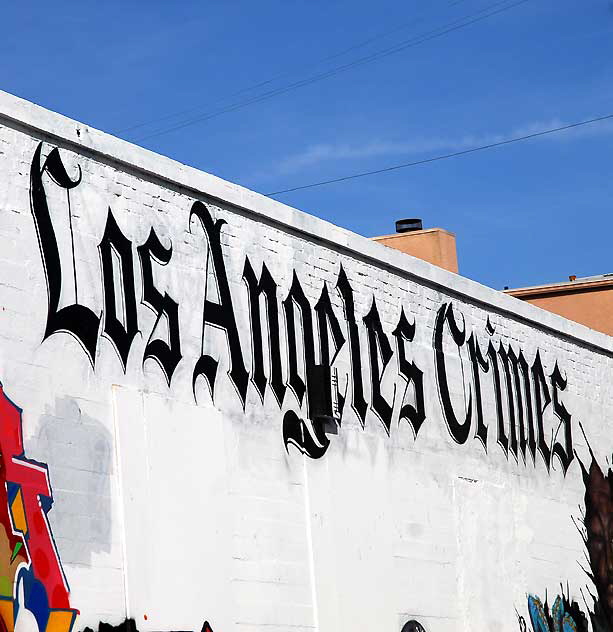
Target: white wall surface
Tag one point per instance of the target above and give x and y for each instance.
(173, 507)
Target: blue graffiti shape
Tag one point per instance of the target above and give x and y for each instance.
(565, 616)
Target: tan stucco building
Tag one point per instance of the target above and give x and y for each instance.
(587, 300)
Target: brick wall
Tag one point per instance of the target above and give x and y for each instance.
(183, 492)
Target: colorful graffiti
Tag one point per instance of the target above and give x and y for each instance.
(564, 616)
(32, 584)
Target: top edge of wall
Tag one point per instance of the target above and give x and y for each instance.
(17, 112)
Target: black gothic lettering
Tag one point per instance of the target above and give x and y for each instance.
(378, 347)
(166, 355)
(564, 452)
(458, 430)
(296, 298)
(327, 320)
(503, 440)
(358, 403)
(310, 440)
(542, 399)
(506, 368)
(220, 315)
(120, 331)
(267, 287)
(522, 373)
(79, 321)
(519, 368)
(478, 363)
(310, 373)
(414, 414)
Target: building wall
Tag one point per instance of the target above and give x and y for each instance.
(591, 305)
(434, 245)
(177, 437)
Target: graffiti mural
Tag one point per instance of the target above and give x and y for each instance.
(32, 582)
(563, 616)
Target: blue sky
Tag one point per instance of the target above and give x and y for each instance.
(526, 214)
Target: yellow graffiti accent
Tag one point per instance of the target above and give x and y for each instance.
(60, 621)
(18, 513)
(7, 613)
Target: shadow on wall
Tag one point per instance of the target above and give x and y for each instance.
(78, 450)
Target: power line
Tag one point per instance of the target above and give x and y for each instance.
(415, 41)
(285, 73)
(445, 156)
(441, 31)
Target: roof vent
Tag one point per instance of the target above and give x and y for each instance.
(408, 225)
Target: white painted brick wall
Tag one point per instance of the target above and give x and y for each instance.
(173, 511)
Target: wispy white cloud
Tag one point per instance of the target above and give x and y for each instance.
(328, 152)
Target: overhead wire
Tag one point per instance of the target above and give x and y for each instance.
(456, 154)
(436, 33)
(445, 29)
(284, 73)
